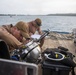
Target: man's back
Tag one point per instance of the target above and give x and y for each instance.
(6, 35)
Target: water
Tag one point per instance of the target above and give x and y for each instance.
(54, 23)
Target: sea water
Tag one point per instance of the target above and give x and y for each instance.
(54, 23)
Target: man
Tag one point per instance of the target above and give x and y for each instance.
(30, 28)
(12, 36)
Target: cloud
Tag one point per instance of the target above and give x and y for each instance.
(37, 6)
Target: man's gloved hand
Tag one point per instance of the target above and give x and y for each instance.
(23, 46)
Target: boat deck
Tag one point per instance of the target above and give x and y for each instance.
(57, 39)
(53, 40)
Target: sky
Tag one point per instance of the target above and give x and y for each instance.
(37, 7)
